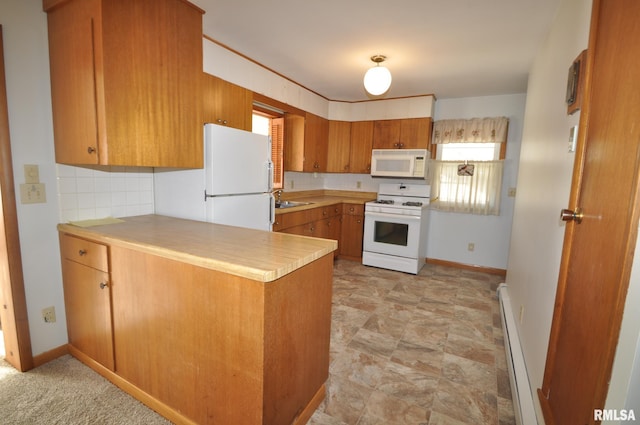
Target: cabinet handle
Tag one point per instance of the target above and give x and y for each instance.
(91, 149)
(103, 285)
(82, 252)
(221, 121)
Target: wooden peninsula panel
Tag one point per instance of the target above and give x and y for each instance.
(222, 349)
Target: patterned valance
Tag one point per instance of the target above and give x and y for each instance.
(474, 130)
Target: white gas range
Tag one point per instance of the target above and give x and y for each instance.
(395, 227)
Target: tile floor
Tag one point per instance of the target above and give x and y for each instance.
(423, 350)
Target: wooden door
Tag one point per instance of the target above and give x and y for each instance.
(13, 314)
(598, 252)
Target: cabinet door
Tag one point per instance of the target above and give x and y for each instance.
(294, 140)
(226, 103)
(88, 308)
(73, 83)
(415, 133)
(316, 134)
(351, 236)
(361, 145)
(339, 147)
(386, 134)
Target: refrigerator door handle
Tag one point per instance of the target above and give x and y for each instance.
(272, 209)
(270, 175)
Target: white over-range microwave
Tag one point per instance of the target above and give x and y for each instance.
(402, 163)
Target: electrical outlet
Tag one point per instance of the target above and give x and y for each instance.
(33, 193)
(49, 314)
(359, 185)
(291, 185)
(471, 246)
(511, 193)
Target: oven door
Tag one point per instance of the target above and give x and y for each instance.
(392, 234)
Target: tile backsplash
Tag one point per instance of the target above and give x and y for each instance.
(87, 193)
(96, 192)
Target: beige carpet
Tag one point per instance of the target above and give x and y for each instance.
(65, 391)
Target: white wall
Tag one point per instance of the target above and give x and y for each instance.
(544, 180)
(451, 233)
(26, 58)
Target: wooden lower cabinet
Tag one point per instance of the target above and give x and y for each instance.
(200, 346)
(87, 298)
(352, 232)
(341, 222)
(218, 348)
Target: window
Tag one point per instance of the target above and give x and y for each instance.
(270, 125)
(467, 172)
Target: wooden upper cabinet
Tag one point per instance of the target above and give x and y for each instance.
(410, 133)
(339, 147)
(386, 134)
(226, 103)
(293, 155)
(415, 133)
(361, 145)
(316, 135)
(126, 82)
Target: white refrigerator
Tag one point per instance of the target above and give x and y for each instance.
(233, 188)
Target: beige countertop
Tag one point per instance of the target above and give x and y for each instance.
(254, 254)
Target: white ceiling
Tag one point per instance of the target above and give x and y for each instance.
(449, 48)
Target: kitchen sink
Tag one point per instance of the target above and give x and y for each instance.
(290, 204)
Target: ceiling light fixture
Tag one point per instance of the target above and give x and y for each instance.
(377, 79)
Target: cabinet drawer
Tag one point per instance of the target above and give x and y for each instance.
(332, 211)
(353, 209)
(85, 252)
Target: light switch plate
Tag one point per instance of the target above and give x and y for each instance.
(31, 173)
(33, 193)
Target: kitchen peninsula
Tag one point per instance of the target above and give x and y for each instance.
(204, 323)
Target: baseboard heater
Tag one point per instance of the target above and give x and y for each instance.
(520, 390)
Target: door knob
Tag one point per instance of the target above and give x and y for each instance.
(570, 215)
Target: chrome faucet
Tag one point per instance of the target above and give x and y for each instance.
(278, 194)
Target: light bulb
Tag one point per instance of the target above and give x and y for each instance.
(377, 80)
